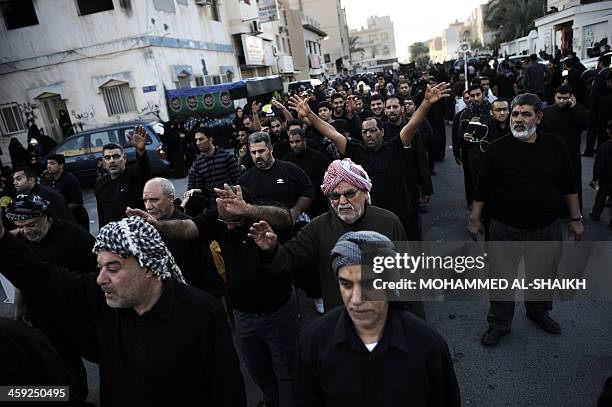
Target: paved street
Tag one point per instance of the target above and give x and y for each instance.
(530, 367)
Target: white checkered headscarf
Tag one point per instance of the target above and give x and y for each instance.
(134, 237)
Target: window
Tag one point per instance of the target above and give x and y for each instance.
(214, 10)
(199, 81)
(215, 79)
(118, 99)
(18, 14)
(73, 146)
(86, 7)
(100, 139)
(11, 119)
(126, 133)
(184, 82)
(384, 36)
(327, 58)
(373, 38)
(285, 49)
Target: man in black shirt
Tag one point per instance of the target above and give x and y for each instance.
(394, 181)
(265, 311)
(159, 341)
(62, 244)
(372, 353)
(314, 164)
(122, 186)
(523, 177)
(194, 258)
(568, 120)
(272, 180)
(25, 181)
(377, 106)
(498, 126)
(68, 185)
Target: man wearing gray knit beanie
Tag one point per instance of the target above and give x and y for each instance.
(370, 352)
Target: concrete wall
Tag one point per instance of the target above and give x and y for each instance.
(71, 56)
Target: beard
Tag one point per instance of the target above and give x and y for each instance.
(523, 131)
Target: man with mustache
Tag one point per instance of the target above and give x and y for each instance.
(272, 180)
(347, 187)
(372, 337)
(158, 341)
(523, 177)
(122, 185)
(395, 180)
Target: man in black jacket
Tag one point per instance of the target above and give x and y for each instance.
(62, 244)
(568, 120)
(399, 359)
(159, 342)
(25, 181)
(194, 258)
(122, 186)
(68, 185)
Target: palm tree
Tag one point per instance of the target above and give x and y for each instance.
(513, 18)
(354, 45)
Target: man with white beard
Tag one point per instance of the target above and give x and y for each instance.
(523, 178)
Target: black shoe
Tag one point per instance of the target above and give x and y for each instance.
(492, 336)
(588, 154)
(546, 323)
(594, 216)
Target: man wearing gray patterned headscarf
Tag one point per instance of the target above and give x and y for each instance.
(371, 340)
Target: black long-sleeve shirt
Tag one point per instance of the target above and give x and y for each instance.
(524, 182)
(178, 353)
(602, 168)
(568, 123)
(396, 172)
(59, 206)
(410, 365)
(113, 196)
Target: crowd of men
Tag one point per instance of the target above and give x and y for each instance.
(307, 188)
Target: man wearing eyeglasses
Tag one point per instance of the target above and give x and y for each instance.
(394, 178)
(347, 186)
(523, 178)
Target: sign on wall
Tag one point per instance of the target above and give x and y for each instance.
(268, 11)
(253, 50)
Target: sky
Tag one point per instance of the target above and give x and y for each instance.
(412, 20)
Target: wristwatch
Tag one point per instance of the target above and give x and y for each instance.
(579, 219)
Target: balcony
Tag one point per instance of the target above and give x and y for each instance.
(313, 25)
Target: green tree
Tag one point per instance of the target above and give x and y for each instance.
(354, 45)
(417, 49)
(513, 18)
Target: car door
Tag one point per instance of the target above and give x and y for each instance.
(76, 149)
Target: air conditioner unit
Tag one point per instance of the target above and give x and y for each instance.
(256, 27)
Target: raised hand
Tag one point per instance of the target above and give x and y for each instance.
(300, 106)
(440, 91)
(349, 106)
(142, 214)
(263, 235)
(255, 107)
(139, 138)
(230, 202)
(277, 104)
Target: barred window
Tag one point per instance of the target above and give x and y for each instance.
(118, 99)
(11, 120)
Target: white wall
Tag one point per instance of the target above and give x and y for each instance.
(70, 51)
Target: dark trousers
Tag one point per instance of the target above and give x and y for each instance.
(468, 178)
(269, 345)
(605, 190)
(504, 262)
